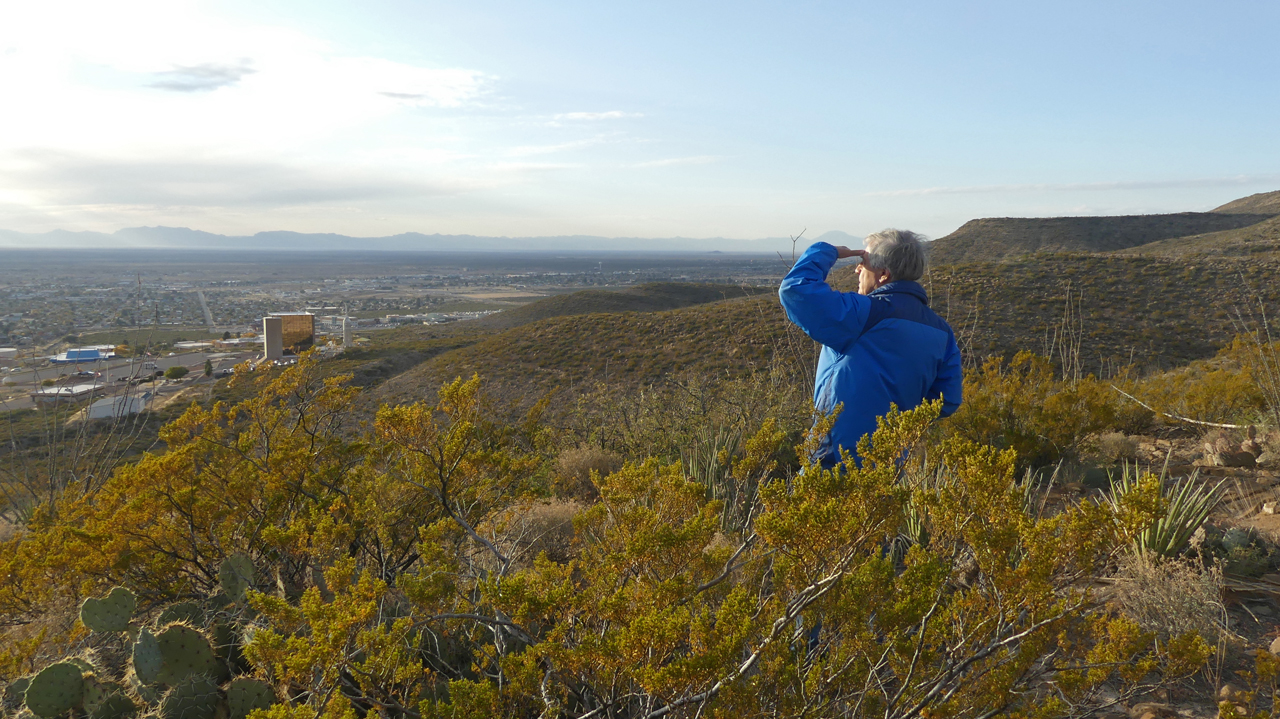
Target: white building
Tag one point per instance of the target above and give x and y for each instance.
(273, 337)
(72, 393)
(121, 406)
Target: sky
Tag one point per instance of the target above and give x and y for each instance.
(625, 119)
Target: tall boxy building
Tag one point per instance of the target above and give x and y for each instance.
(298, 332)
(272, 344)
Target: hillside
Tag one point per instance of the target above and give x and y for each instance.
(630, 348)
(1005, 237)
(1261, 203)
(1256, 239)
(394, 351)
(652, 297)
(1154, 312)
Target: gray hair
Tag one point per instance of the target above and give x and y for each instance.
(901, 252)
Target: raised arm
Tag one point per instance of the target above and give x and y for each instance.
(833, 318)
(949, 384)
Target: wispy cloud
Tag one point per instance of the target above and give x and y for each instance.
(64, 179)
(526, 150)
(204, 77)
(610, 115)
(694, 160)
(512, 171)
(1191, 183)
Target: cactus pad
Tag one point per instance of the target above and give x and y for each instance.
(245, 695)
(195, 698)
(55, 690)
(189, 612)
(186, 653)
(111, 613)
(149, 693)
(227, 646)
(236, 576)
(147, 658)
(96, 691)
(14, 692)
(115, 706)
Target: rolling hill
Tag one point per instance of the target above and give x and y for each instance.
(1005, 237)
(1153, 291)
(1152, 312)
(1234, 228)
(651, 297)
(1261, 203)
(396, 351)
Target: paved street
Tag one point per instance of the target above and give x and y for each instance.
(26, 381)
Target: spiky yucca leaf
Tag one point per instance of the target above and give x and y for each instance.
(1184, 508)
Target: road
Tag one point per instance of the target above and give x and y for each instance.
(204, 306)
(26, 381)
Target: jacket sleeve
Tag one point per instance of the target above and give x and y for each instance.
(949, 383)
(832, 318)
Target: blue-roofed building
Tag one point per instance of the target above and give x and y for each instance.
(83, 355)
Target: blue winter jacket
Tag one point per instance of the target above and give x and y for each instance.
(884, 348)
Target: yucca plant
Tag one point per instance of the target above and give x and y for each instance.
(709, 461)
(1184, 508)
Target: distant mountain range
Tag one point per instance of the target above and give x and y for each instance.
(185, 238)
(1250, 225)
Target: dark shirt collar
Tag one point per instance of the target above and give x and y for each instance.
(902, 287)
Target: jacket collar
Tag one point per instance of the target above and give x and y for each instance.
(902, 287)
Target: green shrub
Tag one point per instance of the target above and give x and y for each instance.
(1022, 405)
(413, 565)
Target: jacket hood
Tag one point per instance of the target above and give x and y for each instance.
(902, 287)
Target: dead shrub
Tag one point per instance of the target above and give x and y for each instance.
(525, 531)
(1172, 596)
(574, 468)
(1116, 447)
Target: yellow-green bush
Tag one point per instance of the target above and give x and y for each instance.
(1222, 389)
(396, 587)
(1024, 406)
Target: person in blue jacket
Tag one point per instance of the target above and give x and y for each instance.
(881, 345)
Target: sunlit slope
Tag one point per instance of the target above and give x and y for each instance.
(1154, 312)
(1258, 239)
(1261, 203)
(651, 297)
(728, 336)
(1006, 237)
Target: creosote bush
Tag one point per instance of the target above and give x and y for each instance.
(410, 569)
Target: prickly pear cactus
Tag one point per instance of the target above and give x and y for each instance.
(13, 693)
(189, 612)
(195, 698)
(227, 646)
(96, 691)
(55, 690)
(149, 693)
(244, 695)
(115, 706)
(147, 658)
(1236, 538)
(111, 613)
(236, 576)
(186, 652)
